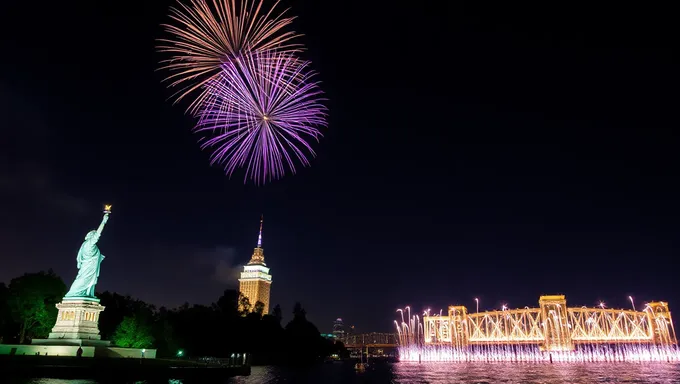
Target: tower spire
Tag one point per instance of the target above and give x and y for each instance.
(255, 282)
(258, 252)
(259, 237)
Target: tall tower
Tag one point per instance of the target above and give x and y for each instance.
(339, 329)
(255, 281)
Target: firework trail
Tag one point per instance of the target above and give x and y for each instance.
(207, 34)
(259, 113)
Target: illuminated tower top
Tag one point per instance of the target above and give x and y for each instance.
(258, 253)
(259, 237)
(255, 281)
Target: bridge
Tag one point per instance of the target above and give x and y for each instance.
(553, 326)
(371, 340)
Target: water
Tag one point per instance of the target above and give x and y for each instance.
(584, 353)
(439, 373)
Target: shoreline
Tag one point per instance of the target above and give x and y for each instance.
(59, 367)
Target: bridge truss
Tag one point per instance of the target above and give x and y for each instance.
(371, 340)
(553, 326)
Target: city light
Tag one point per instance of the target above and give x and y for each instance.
(551, 333)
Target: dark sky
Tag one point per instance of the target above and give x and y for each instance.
(473, 151)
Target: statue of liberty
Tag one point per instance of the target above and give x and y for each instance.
(88, 261)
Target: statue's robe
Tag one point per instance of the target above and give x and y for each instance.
(88, 259)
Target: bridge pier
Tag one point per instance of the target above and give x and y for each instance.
(459, 325)
(556, 327)
(661, 323)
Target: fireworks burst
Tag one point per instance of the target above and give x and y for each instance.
(258, 114)
(209, 34)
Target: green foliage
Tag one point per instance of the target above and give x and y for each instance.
(230, 325)
(117, 308)
(133, 332)
(32, 299)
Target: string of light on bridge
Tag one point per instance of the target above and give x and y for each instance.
(551, 332)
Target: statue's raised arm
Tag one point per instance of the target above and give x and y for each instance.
(101, 226)
(88, 261)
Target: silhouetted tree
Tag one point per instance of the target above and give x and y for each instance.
(278, 314)
(270, 343)
(228, 303)
(164, 333)
(299, 312)
(259, 308)
(230, 325)
(5, 321)
(304, 339)
(32, 299)
(198, 330)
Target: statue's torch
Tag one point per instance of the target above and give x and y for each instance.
(107, 212)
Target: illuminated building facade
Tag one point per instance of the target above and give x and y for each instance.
(339, 328)
(255, 282)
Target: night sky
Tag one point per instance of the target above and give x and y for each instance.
(492, 152)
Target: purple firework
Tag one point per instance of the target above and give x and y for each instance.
(259, 113)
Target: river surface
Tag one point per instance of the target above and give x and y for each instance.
(438, 373)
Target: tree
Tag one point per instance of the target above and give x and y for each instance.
(164, 334)
(299, 312)
(259, 308)
(243, 304)
(304, 339)
(4, 310)
(228, 303)
(32, 300)
(278, 314)
(133, 332)
(119, 307)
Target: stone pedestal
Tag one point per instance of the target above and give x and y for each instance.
(77, 332)
(77, 324)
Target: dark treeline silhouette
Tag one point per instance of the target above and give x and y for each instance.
(230, 325)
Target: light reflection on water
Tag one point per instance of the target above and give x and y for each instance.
(536, 373)
(440, 373)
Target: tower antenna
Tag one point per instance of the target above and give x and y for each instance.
(259, 237)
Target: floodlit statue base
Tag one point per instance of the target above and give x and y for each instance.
(77, 324)
(76, 332)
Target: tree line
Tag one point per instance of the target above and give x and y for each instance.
(229, 325)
